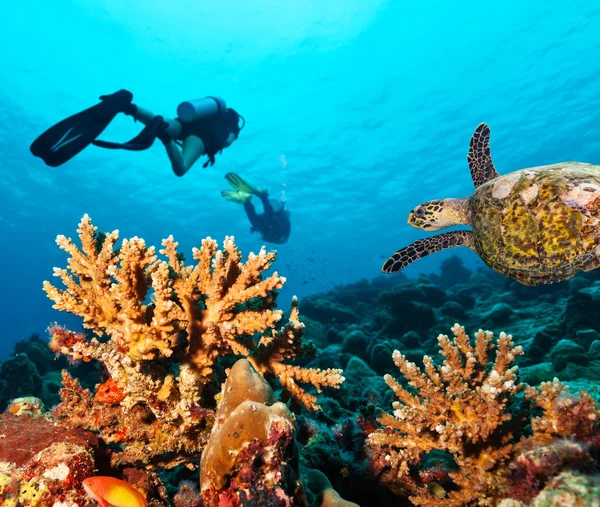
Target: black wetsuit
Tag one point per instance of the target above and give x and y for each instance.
(273, 224)
(202, 128)
(213, 131)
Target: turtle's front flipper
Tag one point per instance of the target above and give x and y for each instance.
(423, 247)
(480, 159)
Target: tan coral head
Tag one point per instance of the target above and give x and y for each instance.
(439, 214)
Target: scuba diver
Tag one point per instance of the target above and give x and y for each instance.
(273, 224)
(203, 127)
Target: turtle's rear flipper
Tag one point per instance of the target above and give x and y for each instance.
(424, 247)
(480, 159)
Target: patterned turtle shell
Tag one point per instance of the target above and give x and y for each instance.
(539, 225)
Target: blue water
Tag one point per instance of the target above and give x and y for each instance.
(356, 111)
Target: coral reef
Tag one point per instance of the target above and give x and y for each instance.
(252, 454)
(29, 380)
(187, 495)
(34, 370)
(538, 321)
(566, 436)
(41, 463)
(145, 439)
(391, 313)
(459, 408)
(564, 415)
(44, 464)
(538, 444)
(251, 457)
(568, 489)
(467, 409)
(29, 405)
(536, 465)
(166, 325)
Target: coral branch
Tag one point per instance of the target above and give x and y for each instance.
(167, 324)
(461, 409)
(446, 413)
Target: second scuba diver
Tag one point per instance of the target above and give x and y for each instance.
(273, 224)
(202, 127)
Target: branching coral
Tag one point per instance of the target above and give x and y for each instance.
(459, 408)
(462, 409)
(167, 323)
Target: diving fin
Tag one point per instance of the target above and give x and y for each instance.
(61, 142)
(243, 186)
(155, 129)
(236, 196)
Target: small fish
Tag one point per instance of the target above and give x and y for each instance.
(436, 490)
(111, 492)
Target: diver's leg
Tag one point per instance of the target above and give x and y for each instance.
(254, 218)
(264, 198)
(144, 116)
(178, 160)
(251, 212)
(183, 160)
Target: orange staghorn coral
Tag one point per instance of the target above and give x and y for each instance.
(460, 408)
(167, 324)
(107, 288)
(281, 345)
(216, 328)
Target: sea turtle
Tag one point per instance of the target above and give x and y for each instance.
(537, 225)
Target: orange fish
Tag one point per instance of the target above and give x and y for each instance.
(111, 492)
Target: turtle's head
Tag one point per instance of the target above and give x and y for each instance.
(436, 215)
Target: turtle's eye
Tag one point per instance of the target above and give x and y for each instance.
(419, 212)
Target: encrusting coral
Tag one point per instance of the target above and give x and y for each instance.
(41, 463)
(167, 323)
(566, 489)
(251, 457)
(462, 409)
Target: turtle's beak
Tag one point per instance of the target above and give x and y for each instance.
(411, 219)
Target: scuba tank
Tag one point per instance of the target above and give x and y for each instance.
(192, 110)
